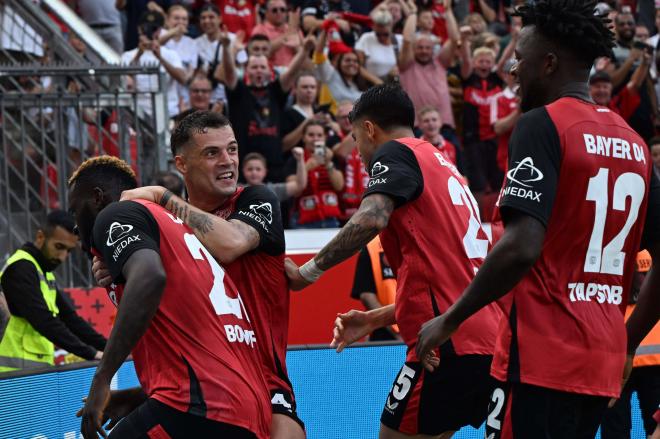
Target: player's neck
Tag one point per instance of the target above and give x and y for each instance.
(574, 88)
(395, 133)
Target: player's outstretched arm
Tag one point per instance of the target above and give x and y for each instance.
(372, 217)
(354, 325)
(145, 283)
(226, 240)
(507, 263)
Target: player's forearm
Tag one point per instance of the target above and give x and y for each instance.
(372, 217)
(382, 317)
(145, 283)
(225, 240)
(647, 310)
(507, 263)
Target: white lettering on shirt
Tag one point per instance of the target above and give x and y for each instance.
(592, 292)
(613, 147)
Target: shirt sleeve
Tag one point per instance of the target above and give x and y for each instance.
(534, 160)
(120, 230)
(364, 276)
(394, 171)
(651, 233)
(259, 208)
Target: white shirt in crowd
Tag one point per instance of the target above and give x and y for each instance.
(206, 52)
(149, 83)
(380, 59)
(186, 48)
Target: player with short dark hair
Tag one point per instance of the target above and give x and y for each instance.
(578, 203)
(419, 203)
(242, 228)
(192, 342)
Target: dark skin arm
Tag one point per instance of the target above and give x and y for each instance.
(4, 315)
(507, 263)
(145, 283)
(372, 217)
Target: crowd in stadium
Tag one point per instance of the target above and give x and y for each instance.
(286, 75)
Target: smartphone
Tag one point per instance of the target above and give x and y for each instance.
(319, 149)
(325, 108)
(643, 46)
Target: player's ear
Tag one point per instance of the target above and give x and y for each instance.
(180, 164)
(550, 64)
(370, 129)
(99, 196)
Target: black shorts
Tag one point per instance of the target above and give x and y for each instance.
(453, 396)
(522, 411)
(283, 403)
(155, 420)
(481, 166)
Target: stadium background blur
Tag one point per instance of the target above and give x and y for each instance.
(77, 81)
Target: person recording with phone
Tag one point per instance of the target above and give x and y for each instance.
(630, 55)
(318, 206)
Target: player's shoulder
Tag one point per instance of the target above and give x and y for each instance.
(259, 191)
(123, 209)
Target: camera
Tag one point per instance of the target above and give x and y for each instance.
(319, 149)
(643, 46)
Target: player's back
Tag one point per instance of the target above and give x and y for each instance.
(199, 354)
(566, 321)
(435, 244)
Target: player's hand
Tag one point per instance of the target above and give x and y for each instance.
(349, 328)
(149, 193)
(101, 272)
(92, 413)
(433, 333)
(122, 402)
(296, 281)
(627, 369)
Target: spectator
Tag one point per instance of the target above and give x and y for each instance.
(645, 376)
(135, 10)
(237, 15)
(627, 59)
(476, 23)
(424, 75)
(255, 169)
(4, 315)
(318, 206)
(654, 145)
(505, 112)
(316, 12)
(150, 52)
(200, 95)
(41, 315)
(171, 181)
(174, 38)
(104, 18)
(258, 44)
(642, 33)
(285, 38)
(374, 285)
(654, 42)
(305, 91)
(256, 104)
(355, 175)
(430, 122)
(627, 100)
(483, 80)
(346, 80)
(210, 50)
(378, 50)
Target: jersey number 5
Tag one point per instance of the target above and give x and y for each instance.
(222, 304)
(610, 259)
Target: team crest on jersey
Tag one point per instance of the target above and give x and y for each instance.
(117, 232)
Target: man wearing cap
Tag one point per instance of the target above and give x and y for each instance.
(149, 52)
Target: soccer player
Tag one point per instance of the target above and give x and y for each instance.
(420, 204)
(242, 228)
(178, 313)
(578, 200)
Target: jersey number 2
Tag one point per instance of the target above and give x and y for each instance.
(222, 304)
(461, 196)
(609, 259)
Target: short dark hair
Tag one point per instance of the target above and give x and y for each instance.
(258, 37)
(209, 7)
(255, 156)
(572, 25)
(387, 105)
(195, 123)
(654, 141)
(59, 218)
(111, 174)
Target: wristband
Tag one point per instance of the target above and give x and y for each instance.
(165, 198)
(310, 271)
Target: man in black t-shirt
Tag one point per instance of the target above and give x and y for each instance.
(256, 103)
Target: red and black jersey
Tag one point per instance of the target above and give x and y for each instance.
(260, 277)
(199, 354)
(478, 94)
(586, 175)
(434, 242)
(504, 104)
